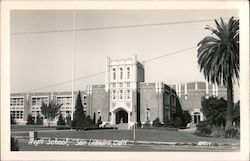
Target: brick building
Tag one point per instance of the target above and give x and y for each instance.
(190, 95)
(124, 98)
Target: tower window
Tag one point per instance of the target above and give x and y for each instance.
(113, 94)
(128, 94)
(128, 73)
(121, 73)
(120, 94)
(114, 74)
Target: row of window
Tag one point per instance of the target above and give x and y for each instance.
(114, 85)
(121, 94)
(121, 73)
(16, 108)
(16, 114)
(17, 101)
(37, 101)
(64, 100)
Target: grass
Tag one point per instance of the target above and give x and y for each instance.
(141, 135)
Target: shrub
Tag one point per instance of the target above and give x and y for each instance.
(147, 124)
(186, 118)
(12, 120)
(14, 144)
(99, 122)
(62, 127)
(157, 122)
(139, 124)
(68, 120)
(177, 122)
(30, 120)
(231, 132)
(203, 129)
(39, 120)
(61, 120)
(218, 131)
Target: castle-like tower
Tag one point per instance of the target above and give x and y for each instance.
(122, 78)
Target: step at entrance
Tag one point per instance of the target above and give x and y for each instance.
(123, 126)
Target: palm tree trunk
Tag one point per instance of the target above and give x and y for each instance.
(229, 104)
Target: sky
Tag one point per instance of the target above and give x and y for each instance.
(43, 59)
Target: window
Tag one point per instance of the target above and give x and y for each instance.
(114, 74)
(120, 94)
(128, 94)
(128, 84)
(99, 113)
(121, 73)
(37, 101)
(113, 94)
(121, 84)
(128, 73)
(113, 85)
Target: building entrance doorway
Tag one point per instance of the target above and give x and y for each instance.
(197, 117)
(121, 117)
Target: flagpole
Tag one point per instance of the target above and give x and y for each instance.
(73, 65)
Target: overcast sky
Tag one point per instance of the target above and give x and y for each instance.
(39, 60)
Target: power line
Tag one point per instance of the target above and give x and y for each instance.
(113, 27)
(68, 81)
(173, 53)
(103, 72)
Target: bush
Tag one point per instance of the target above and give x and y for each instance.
(186, 118)
(231, 132)
(68, 120)
(157, 122)
(177, 122)
(30, 120)
(62, 127)
(61, 120)
(39, 120)
(99, 128)
(218, 131)
(99, 122)
(203, 129)
(14, 144)
(139, 124)
(12, 120)
(147, 124)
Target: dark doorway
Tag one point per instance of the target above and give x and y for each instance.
(197, 117)
(121, 117)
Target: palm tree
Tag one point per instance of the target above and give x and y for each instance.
(218, 58)
(50, 111)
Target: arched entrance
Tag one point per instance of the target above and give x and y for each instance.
(121, 116)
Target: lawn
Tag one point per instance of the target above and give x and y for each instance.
(141, 135)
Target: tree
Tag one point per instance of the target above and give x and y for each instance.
(186, 118)
(218, 58)
(50, 111)
(79, 114)
(61, 120)
(214, 109)
(30, 120)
